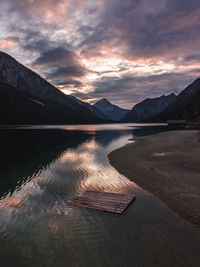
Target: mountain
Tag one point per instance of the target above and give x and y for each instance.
(149, 108)
(97, 112)
(109, 110)
(186, 105)
(26, 98)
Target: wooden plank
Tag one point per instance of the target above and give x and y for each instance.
(106, 201)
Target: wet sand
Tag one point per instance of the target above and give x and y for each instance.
(167, 165)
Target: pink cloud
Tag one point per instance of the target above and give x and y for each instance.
(51, 11)
(7, 43)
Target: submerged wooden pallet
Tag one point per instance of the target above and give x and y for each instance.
(112, 202)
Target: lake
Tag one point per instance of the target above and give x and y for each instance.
(42, 167)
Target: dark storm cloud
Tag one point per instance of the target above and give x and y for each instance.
(36, 45)
(62, 63)
(56, 55)
(66, 71)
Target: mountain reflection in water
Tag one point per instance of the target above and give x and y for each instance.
(27, 152)
(43, 167)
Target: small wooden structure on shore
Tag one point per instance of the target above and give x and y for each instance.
(112, 202)
(192, 125)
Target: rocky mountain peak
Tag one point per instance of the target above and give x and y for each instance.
(103, 101)
(113, 112)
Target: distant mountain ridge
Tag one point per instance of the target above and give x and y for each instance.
(26, 98)
(97, 112)
(149, 108)
(109, 110)
(186, 105)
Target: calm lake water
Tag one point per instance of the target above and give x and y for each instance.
(41, 168)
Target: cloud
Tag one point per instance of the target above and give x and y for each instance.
(8, 42)
(66, 71)
(35, 44)
(124, 50)
(62, 63)
(47, 9)
(195, 57)
(147, 28)
(64, 83)
(57, 55)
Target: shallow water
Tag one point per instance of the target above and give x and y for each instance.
(43, 167)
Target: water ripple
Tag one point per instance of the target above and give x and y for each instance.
(39, 228)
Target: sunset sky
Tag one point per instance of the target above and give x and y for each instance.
(124, 50)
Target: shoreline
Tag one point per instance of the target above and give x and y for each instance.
(168, 165)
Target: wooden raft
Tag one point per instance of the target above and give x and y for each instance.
(112, 202)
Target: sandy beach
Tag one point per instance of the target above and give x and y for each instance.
(168, 165)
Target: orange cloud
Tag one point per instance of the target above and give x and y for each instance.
(8, 42)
